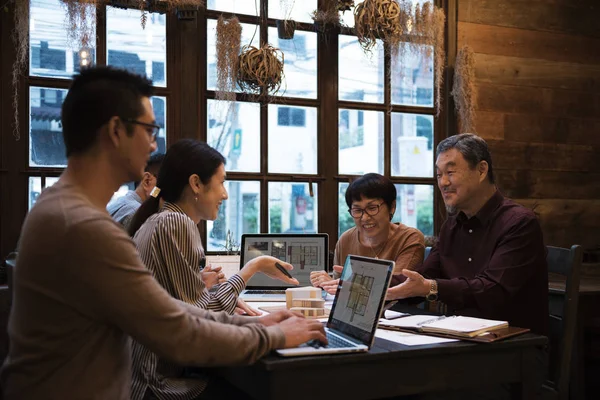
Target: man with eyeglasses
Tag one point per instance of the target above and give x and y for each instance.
(80, 289)
(371, 201)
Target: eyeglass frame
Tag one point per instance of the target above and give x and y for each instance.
(364, 210)
(155, 128)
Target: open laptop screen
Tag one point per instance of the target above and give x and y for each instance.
(360, 296)
(306, 252)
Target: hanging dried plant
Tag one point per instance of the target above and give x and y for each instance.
(377, 19)
(229, 37)
(464, 90)
(439, 21)
(81, 22)
(329, 17)
(345, 5)
(21, 40)
(260, 69)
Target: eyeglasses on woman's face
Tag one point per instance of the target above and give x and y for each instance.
(371, 210)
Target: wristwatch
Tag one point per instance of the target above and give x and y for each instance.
(433, 291)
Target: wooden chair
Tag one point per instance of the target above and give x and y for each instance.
(563, 319)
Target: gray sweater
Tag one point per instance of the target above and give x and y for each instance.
(81, 292)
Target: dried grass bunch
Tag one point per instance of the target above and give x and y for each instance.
(81, 22)
(464, 90)
(260, 69)
(229, 37)
(330, 16)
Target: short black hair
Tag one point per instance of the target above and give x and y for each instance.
(473, 148)
(371, 186)
(96, 95)
(154, 163)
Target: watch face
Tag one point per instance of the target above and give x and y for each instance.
(431, 297)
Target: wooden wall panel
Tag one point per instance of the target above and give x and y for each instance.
(502, 41)
(538, 76)
(572, 17)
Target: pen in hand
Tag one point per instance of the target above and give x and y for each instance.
(283, 270)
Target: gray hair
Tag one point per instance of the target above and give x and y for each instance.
(473, 148)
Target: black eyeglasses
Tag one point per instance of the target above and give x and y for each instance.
(153, 129)
(371, 210)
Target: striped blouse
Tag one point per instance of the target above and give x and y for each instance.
(169, 244)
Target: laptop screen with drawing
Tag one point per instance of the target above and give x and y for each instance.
(360, 297)
(306, 252)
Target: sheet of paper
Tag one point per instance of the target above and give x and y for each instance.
(413, 321)
(410, 339)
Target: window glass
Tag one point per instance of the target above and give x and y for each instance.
(412, 78)
(291, 9)
(137, 49)
(292, 139)
(412, 145)
(300, 63)
(291, 208)
(249, 7)
(51, 54)
(248, 36)
(35, 188)
(239, 214)
(414, 207)
(46, 144)
(234, 130)
(360, 75)
(159, 104)
(361, 136)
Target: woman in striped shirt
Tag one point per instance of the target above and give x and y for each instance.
(191, 183)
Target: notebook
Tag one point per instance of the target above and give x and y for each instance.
(306, 252)
(459, 326)
(356, 309)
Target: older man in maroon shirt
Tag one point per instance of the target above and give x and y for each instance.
(490, 261)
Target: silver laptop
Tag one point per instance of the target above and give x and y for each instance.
(356, 308)
(306, 252)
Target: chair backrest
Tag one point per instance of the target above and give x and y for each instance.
(427, 251)
(563, 314)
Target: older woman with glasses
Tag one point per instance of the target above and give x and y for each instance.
(371, 201)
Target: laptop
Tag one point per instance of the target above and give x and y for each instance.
(356, 308)
(306, 252)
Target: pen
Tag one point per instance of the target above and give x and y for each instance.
(283, 270)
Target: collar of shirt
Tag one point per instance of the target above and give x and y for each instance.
(132, 194)
(483, 216)
(172, 207)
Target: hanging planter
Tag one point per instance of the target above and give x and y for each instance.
(286, 29)
(260, 70)
(229, 37)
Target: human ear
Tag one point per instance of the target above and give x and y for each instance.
(483, 168)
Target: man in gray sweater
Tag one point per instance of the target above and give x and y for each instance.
(80, 289)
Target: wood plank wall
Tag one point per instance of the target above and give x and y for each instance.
(538, 75)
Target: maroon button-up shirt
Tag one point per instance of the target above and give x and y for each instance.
(493, 265)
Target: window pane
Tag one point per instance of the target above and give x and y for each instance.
(291, 208)
(50, 54)
(159, 104)
(248, 7)
(211, 48)
(300, 63)
(46, 144)
(414, 207)
(412, 145)
(347, 17)
(360, 141)
(143, 51)
(412, 79)
(239, 214)
(345, 220)
(234, 130)
(361, 75)
(297, 10)
(35, 187)
(292, 139)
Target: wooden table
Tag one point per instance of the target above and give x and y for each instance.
(391, 369)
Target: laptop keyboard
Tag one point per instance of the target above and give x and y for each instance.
(335, 342)
(255, 291)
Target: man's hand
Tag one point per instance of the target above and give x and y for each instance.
(243, 308)
(300, 330)
(266, 265)
(415, 285)
(318, 277)
(277, 317)
(212, 276)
